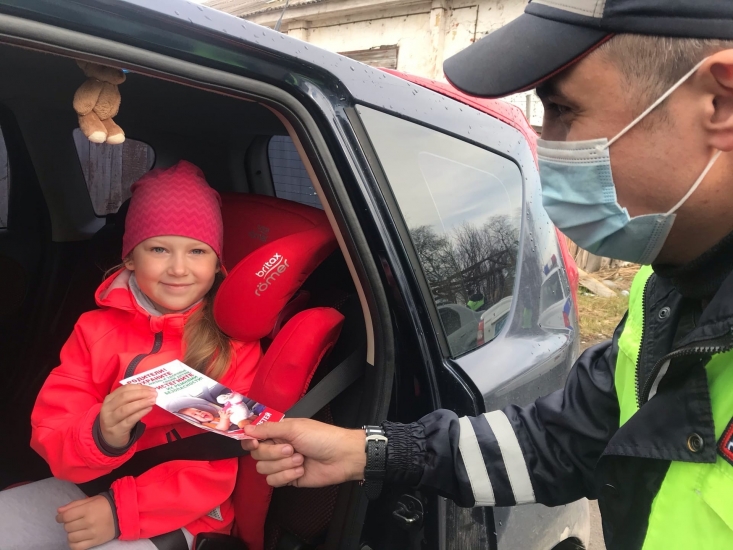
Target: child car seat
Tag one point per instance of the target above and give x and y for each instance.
(274, 245)
(281, 244)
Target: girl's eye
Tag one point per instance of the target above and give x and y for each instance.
(158, 249)
(198, 251)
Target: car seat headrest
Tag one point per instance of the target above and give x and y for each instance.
(253, 220)
(249, 301)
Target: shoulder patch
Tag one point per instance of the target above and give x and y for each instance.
(725, 445)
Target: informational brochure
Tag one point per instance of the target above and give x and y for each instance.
(203, 402)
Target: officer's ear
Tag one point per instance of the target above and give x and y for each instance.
(718, 83)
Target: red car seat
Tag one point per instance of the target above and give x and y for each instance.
(276, 245)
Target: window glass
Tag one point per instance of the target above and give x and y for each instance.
(4, 182)
(462, 206)
(289, 174)
(451, 319)
(110, 170)
(551, 291)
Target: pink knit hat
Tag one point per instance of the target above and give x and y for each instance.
(174, 201)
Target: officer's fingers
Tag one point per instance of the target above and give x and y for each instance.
(250, 444)
(268, 467)
(272, 451)
(287, 477)
(273, 430)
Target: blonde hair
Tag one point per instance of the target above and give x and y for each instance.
(208, 349)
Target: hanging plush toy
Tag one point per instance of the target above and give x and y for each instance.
(97, 101)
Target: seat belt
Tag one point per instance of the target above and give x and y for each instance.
(212, 446)
(338, 380)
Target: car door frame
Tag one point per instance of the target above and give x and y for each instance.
(318, 140)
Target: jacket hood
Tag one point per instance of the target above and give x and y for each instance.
(115, 293)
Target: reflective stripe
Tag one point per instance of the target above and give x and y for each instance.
(658, 379)
(511, 452)
(483, 492)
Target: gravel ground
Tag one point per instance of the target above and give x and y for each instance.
(596, 530)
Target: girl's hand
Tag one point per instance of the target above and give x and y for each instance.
(122, 409)
(89, 522)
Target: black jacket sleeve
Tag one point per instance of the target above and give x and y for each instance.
(545, 452)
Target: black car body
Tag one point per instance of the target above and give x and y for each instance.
(409, 177)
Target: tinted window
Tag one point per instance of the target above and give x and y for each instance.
(551, 291)
(289, 174)
(4, 182)
(450, 319)
(110, 170)
(462, 206)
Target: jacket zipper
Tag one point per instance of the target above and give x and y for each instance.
(704, 347)
(637, 382)
(157, 344)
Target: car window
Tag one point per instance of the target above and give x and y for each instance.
(4, 183)
(451, 320)
(551, 291)
(110, 170)
(463, 209)
(289, 175)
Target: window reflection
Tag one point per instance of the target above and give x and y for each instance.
(462, 206)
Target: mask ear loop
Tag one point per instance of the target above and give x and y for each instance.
(652, 107)
(696, 184)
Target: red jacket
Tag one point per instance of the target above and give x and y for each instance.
(110, 344)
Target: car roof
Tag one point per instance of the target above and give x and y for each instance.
(216, 39)
(501, 110)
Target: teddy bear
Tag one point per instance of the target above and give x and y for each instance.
(234, 404)
(97, 100)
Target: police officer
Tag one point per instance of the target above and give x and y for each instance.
(636, 163)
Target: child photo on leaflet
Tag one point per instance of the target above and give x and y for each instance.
(228, 411)
(156, 307)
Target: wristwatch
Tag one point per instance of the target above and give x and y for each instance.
(376, 462)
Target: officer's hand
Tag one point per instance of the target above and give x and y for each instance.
(306, 453)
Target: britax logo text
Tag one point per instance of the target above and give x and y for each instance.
(271, 270)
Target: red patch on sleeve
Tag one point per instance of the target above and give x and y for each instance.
(725, 445)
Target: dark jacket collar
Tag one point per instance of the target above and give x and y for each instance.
(701, 278)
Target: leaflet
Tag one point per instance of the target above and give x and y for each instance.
(203, 402)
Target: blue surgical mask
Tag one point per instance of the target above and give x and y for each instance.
(580, 197)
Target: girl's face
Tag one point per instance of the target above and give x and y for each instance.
(174, 272)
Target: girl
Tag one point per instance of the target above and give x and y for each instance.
(155, 308)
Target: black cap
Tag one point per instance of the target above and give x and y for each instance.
(553, 34)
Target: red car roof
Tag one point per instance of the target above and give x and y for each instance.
(500, 110)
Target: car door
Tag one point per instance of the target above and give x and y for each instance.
(471, 217)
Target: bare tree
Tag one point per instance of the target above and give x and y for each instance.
(469, 260)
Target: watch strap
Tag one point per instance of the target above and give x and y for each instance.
(376, 461)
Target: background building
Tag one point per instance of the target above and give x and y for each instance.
(413, 36)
